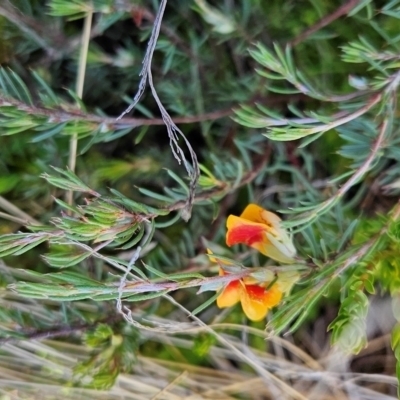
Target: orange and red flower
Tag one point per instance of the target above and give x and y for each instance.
(256, 299)
(262, 230)
(257, 293)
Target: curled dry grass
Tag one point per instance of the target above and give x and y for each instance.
(44, 369)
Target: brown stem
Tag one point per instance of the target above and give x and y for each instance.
(328, 19)
(67, 116)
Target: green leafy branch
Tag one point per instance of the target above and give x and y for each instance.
(313, 212)
(283, 68)
(280, 66)
(297, 307)
(72, 286)
(311, 126)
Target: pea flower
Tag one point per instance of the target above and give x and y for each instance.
(258, 292)
(262, 230)
(256, 299)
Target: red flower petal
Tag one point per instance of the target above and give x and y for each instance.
(244, 233)
(270, 298)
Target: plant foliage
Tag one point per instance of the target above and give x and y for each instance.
(110, 196)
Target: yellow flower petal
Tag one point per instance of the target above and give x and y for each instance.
(230, 295)
(255, 213)
(257, 301)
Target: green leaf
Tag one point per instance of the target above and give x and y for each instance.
(19, 243)
(65, 259)
(70, 182)
(49, 131)
(8, 182)
(206, 304)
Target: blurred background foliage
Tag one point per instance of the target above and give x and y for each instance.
(288, 104)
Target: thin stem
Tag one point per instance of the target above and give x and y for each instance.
(174, 133)
(73, 146)
(13, 219)
(20, 215)
(328, 19)
(308, 217)
(63, 116)
(367, 163)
